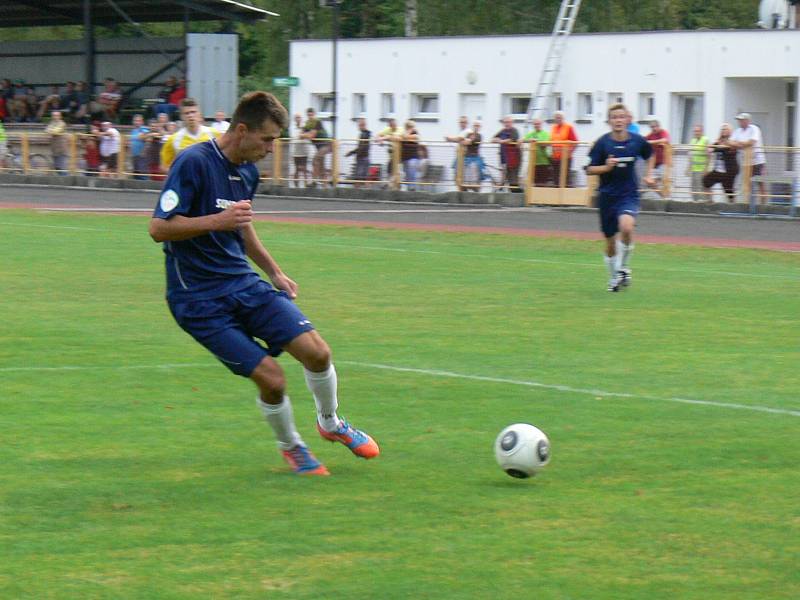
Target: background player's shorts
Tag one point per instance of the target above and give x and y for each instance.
(611, 208)
(226, 326)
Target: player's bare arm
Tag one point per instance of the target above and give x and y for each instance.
(260, 255)
(648, 179)
(180, 228)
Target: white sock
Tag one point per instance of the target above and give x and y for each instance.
(323, 388)
(611, 265)
(281, 419)
(624, 252)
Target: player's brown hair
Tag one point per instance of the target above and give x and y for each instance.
(256, 107)
(617, 106)
(188, 102)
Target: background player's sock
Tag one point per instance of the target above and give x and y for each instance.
(624, 252)
(281, 419)
(323, 388)
(611, 265)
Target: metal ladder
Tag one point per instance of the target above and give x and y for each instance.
(552, 63)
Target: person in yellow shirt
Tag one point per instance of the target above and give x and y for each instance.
(192, 132)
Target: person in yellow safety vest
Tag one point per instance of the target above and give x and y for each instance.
(698, 162)
(192, 132)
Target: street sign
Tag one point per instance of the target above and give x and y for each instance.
(285, 81)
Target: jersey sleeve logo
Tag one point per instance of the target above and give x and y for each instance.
(169, 200)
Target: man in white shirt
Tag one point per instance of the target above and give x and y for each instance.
(749, 135)
(109, 149)
(220, 124)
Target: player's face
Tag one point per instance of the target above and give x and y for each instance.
(190, 115)
(256, 144)
(618, 119)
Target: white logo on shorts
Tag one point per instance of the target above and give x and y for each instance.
(169, 200)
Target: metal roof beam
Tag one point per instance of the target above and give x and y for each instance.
(219, 12)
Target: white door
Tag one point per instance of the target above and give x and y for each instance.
(473, 106)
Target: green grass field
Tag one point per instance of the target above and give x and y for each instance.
(133, 465)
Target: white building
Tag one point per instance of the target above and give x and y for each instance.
(678, 77)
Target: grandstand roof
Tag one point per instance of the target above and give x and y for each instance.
(40, 13)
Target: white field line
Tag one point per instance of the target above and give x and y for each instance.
(591, 265)
(565, 388)
(595, 393)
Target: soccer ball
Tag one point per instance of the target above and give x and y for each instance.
(522, 450)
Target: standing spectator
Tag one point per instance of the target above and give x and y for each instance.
(301, 148)
(138, 142)
(57, 130)
(220, 124)
(658, 138)
(192, 132)
(3, 145)
(388, 134)
(314, 131)
(632, 127)
(107, 103)
(543, 174)
(562, 132)
(110, 140)
(361, 152)
(698, 162)
(153, 143)
(49, 103)
(510, 153)
(474, 167)
(725, 165)
(409, 154)
(463, 132)
(91, 153)
(748, 135)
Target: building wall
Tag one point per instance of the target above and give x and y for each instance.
(730, 69)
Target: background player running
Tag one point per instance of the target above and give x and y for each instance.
(613, 157)
(204, 217)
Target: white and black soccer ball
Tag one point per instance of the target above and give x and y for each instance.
(522, 450)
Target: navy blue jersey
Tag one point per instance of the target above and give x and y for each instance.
(621, 180)
(203, 182)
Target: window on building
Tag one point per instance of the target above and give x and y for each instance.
(323, 103)
(557, 102)
(387, 105)
(585, 108)
(647, 106)
(615, 98)
(359, 105)
(425, 106)
(791, 119)
(516, 105)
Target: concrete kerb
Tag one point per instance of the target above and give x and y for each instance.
(452, 198)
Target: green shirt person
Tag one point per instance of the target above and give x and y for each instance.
(543, 175)
(698, 162)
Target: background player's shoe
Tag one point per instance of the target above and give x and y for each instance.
(303, 462)
(624, 276)
(614, 284)
(359, 442)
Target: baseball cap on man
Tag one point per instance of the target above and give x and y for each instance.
(743, 115)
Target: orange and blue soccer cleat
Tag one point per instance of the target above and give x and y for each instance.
(303, 462)
(359, 442)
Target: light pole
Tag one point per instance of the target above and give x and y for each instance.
(335, 5)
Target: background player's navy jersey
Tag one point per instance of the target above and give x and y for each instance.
(621, 180)
(203, 182)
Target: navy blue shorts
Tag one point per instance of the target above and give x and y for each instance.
(227, 326)
(612, 208)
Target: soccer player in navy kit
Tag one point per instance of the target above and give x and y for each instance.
(204, 218)
(613, 157)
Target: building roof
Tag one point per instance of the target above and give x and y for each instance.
(40, 13)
